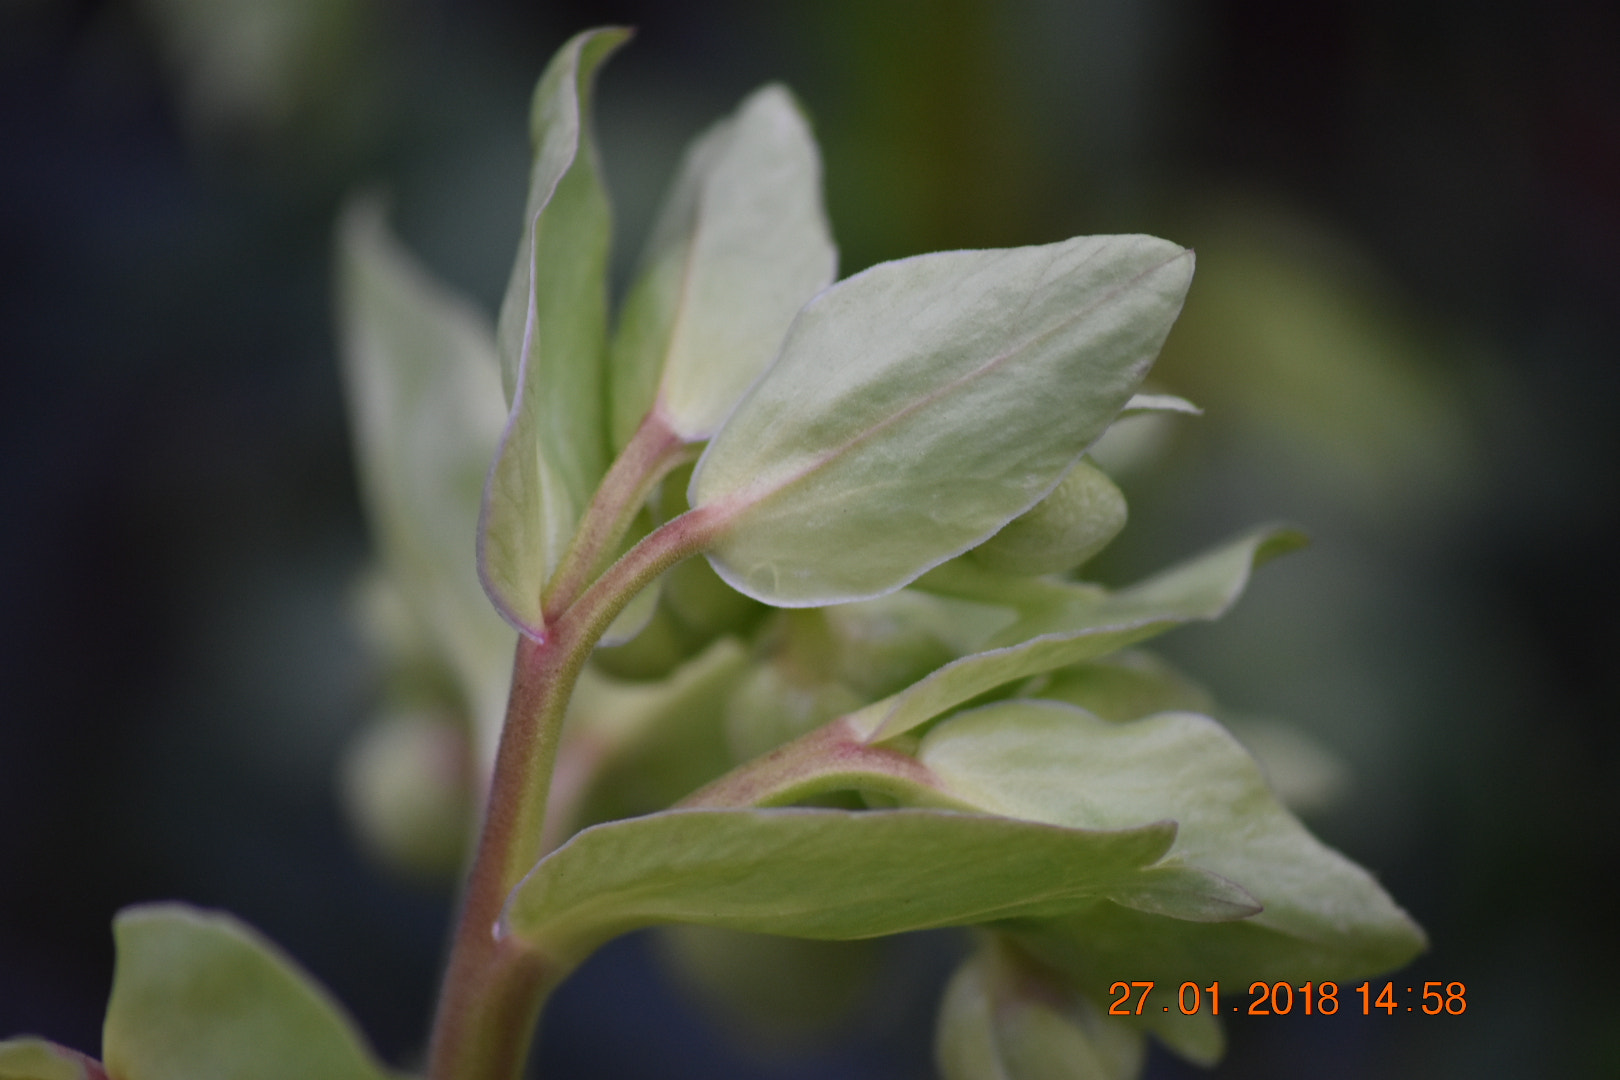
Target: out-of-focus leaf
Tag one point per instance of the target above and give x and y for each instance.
(425, 404)
(1324, 917)
(919, 406)
(1082, 624)
(199, 996)
(1292, 335)
(552, 339)
(28, 1058)
(405, 785)
(785, 990)
(739, 247)
(656, 742)
(1003, 1020)
(816, 873)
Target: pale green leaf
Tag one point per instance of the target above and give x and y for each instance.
(1324, 917)
(778, 990)
(1079, 624)
(655, 742)
(1079, 518)
(423, 388)
(1002, 1019)
(1124, 685)
(552, 340)
(919, 406)
(815, 873)
(199, 996)
(29, 1058)
(739, 247)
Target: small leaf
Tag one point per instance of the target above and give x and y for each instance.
(552, 337)
(1079, 624)
(1159, 403)
(424, 402)
(1002, 1019)
(815, 873)
(739, 247)
(199, 996)
(28, 1058)
(919, 406)
(1323, 918)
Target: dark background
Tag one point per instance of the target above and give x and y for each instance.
(1406, 216)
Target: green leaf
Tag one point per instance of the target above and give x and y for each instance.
(552, 339)
(815, 873)
(656, 741)
(1062, 531)
(781, 991)
(425, 404)
(1002, 1019)
(739, 247)
(28, 1058)
(1125, 686)
(1323, 918)
(199, 996)
(919, 406)
(1080, 624)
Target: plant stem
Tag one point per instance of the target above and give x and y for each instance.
(494, 986)
(647, 458)
(831, 758)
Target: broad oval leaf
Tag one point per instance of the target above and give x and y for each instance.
(198, 995)
(424, 400)
(552, 340)
(815, 873)
(919, 406)
(1324, 917)
(739, 247)
(1066, 626)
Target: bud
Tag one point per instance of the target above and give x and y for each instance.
(1078, 519)
(406, 788)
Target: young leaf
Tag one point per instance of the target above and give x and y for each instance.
(28, 1058)
(815, 873)
(919, 406)
(198, 996)
(1080, 625)
(1323, 918)
(551, 336)
(739, 247)
(424, 396)
(1003, 1019)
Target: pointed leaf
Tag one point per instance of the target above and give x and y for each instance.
(552, 336)
(425, 404)
(1080, 624)
(1324, 917)
(918, 407)
(815, 873)
(738, 249)
(199, 996)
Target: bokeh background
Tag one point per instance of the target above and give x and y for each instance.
(1404, 330)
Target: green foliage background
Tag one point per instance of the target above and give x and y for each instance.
(1401, 329)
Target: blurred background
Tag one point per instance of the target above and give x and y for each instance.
(1403, 329)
